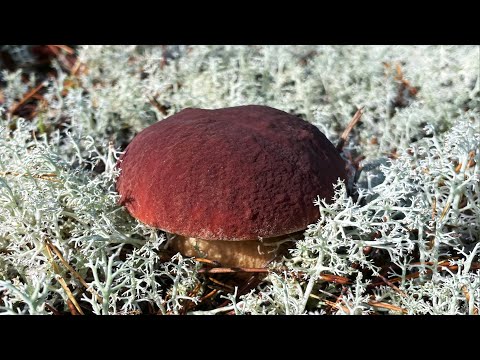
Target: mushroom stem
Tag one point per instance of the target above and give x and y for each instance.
(245, 254)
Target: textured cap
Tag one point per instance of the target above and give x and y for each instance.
(228, 174)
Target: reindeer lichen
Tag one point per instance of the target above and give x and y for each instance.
(403, 238)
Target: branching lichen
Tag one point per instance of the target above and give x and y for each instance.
(404, 239)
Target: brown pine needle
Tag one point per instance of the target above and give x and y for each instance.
(215, 281)
(207, 261)
(65, 48)
(74, 272)
(228, 270)
(470, 162)
(189, 304)
(417, 274)
(76, 67)
(325, 277)
(445, 210)
(62, 282)
(49, 177)
(388, 306)
(195, 290)
(466, 293)
(399, 279)
(392, 285)
(52, 261)
(72, 308)
(441, 263)
(209, 295)
(467, 298)
(337, 306)
(153, 100)
(65, 287)
(373, 303)
(251, 282)
(335, 279)
(52, 309)
(53, 49)
(343, 138)
(25, 98)
(399, 75)
(315, 297)
(66, 62)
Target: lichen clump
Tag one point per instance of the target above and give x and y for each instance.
(410, 216)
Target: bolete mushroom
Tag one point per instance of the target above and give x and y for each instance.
(229, 182)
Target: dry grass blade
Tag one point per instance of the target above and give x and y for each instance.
(343, 138)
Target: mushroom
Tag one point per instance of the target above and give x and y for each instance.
(229, 183)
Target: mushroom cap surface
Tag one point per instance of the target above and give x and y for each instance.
(236, 173)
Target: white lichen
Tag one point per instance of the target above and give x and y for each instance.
(413, 216)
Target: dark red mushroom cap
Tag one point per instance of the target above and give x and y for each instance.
(237, 173)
